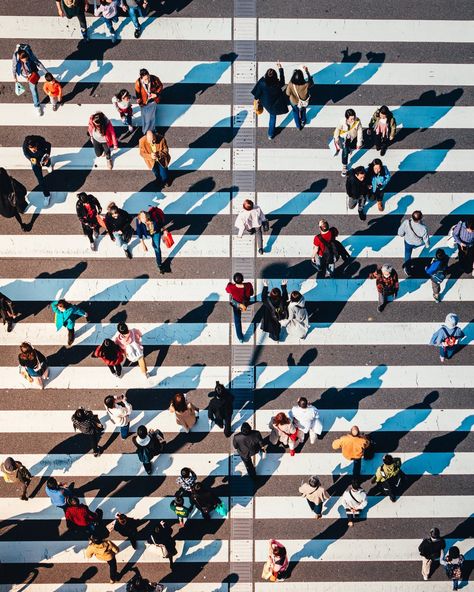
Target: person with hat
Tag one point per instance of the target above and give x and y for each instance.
(414, 233)
(354, 500)
(431, 550)
(127, 527)
(15, 472)
(386, 282)
(389, 476)
(307, 419)
(104, 550)
(315, 494)
(353, 446)
(447, 337)
(148, 444)
(248, 443)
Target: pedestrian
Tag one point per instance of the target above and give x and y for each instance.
(275, 309)
(463, 234)
(269, 93)
(162, 538)
(123, 103)
(65, 315)
(327, 249)
(103, 137)
(88, 211)
(104, 550)
(58, 493)
(15, 472)
(298, 93)
(353, 445)
(315, 494)
(130, 342)
(357, 191)
(383, 125)
(155, 152)
(148, 89)
(118, 224)
(180, 509)
(88, 423)
(307, 419)
(240, 294)
(186, 481)
(354, 500)
(140, 584)
(186, 413)
(431, 550)
(33, 365)
(377, 176)
(286, 432)
(415, 234)
(386, 282)
(26, 67)
(111, 354)
(134, 9)
(119, 411)
(248, 443)
(388, 476)
(38, 152)
(277, 562)
(436, 270)
(53, 89)
(220, 409)
(347, 137)
(12, 198)
(80, 518)
(297, 323)
(251, 219)
(72, 8)
(204, 499)
(148, 443)
(127, 527)
(107, 10)
(7, 312)
(452, 563)
(151, 225)
(447, 337)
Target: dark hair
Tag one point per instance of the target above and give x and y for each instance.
(73, 501)
(179, 500)
(27, 351)
(220, 389)
(417, 215)
(453, 553)
(51, 483)
(245, 429)
(275, 295)
(22, 54)
(434, 532)
(80, 414)
(470, 224)
(144, 72)
(279, 551)
(388, 459)
(112, 208)
(441, 255)
(349, 113)
(142, 432)
(179, 402)
(49, 77)
(100, 121)
(296, 296)
(122, 94)
(109, 349)
(238, 278)
(186, 472)
(249, 204)
(271, 77)
(303, 402)
(32, 141)
(384, 110)
(376, 161)
(314, 481)
(122, 328)
(82, 197)
(109, 401)
(198, 487)
(355, 484)
(281, 419)
(298, 77)
(63, 303)
(96, 539)
(359, 170)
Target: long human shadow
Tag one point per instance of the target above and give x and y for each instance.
(167, 7)
(87, 574)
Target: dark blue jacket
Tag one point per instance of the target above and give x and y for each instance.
(272, 97)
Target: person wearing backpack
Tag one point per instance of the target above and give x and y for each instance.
(14, 471)
(431, 550)
(377, 177)
(327, 250)
(269, 94)
(388, 476)
(220, 409)
(87, 423)
(74, 8)
(452, 563)
(38, 152)
(148, 89)
(151, 225)
(148, 443)
(26, 67)
(12, 199)
(384, 126)
(275, 309)
(347, 137)
(447, 337)
(415, 234)
(357, 191)
(463, 234)
(298, 93)
(437, 272)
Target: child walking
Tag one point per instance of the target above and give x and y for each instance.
(123, 103)
(53, 89)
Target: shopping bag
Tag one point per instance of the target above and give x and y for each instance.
(332, 147)
(19, 89)
(168, 240)
(101, 221)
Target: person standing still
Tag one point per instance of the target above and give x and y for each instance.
(352, 446)
(74, 8)
(240, 295)
(53, 89)
(251, 219)
(38, 152)
(431, 550)
(414, 233)
(248, 443)
(148, 89)
(155, 152)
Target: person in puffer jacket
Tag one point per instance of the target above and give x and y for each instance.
(297, 323)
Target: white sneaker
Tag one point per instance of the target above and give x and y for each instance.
(46, 199)
(92, 245)
(39, 111)
(130, 128)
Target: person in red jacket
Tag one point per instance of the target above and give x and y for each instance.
(103, 138)
(386, 280)
(79, 517)
(111, 354)
(240, 294)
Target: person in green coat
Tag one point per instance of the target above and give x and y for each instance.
(65, 315)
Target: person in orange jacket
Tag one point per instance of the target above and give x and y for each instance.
(155, 152)
(53, 89)
(352, 446)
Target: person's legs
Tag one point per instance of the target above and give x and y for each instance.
(147, 467)
(128, 115)
(113, 569)
(296, 116)
(378, 142)
(81, 17)
(106, 150)
(345, 150)
(271, 126)
(351, 202)
(134, 12)
(303, 115)
(149, 117)
(356, 467)
(34, 94)
(24, 488)
(119, 240)
(70, 336)
(142, 364)
(250, 467)
(237, 313)
(389, 488)
(98, 147)
(108, 24)
(160, 172)
(408, 251)
(436, 289)
(384, 142)
(112, 369)
(118, 369)
(259, 238)
(94, 440)
(382, 301)
(425, 567)
(312, 436)
(156, 243)
(89, 232)
(124, 431)
(38, 172)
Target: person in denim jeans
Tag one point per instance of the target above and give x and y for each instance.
(415, 234)
(134, 11)
(107, 10)
(270, 94)
(347, 137)
(155, 152)
(26, 67)
(119, 410)
(240, 295)
(150, 225)
(298, 93)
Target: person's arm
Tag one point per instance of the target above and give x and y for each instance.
(315, 252)
(59, 8)
(359, 135)
(393, 128)
(385, 176)
(281, 74)
(336, 135)
(261, 216)
(372, 123)
(402, 229)
(112, 135)
(426, 237)
(265, 291)
(337, 444)
(240, 225)
(457, 234)
(88, 553)
(159, 87)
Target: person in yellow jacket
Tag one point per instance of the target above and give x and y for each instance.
(389, 476)
(352, 446)
(104, 550)
(155, 152)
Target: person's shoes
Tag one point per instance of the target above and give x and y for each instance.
(9, 326)
(292, 452)
(168, 182)
(92, 246)
(149, 471)
(128, 253)
(393, 498)
(380, 307)
(110, 164)
(406, 272)
(114, 37)
(436, 297)
(318, 516)
(441, 359)
(350, 523)
(362, 215)
(320, 436)
(383, 151)
(380, 206)
(70, 341)
(85, 37)
(260, 251)
(130, 128)
(271, 137)
(377, 148)
(98, 452)
(162, 269)
(24, 497)
(39, 111)
(137, 33)
(46, 199)
(344, 171)
(55, 107)
(426, 578)
(95, 234)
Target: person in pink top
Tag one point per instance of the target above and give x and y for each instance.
(130, 341)
(102, 135)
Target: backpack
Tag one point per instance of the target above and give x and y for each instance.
(157, 214)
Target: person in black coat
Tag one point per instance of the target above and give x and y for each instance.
(88, 209)
(357, 190)
(270, 94)
(220, 408)
(12, 198)
(38, 152)
(118, 223)
(7, 312)
(275, 309)
(248, 443)
(127, 527)
(162, 537)
(205, 500)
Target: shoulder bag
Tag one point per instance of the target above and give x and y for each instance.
(257, 107)
(301, 103)
(411, 228)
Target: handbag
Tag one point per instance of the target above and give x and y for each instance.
(257, 107)
(33, 78)
(133, 352)
(265, 226)
(168, 240)
(267, 571)
(301, 102)
(24, 373)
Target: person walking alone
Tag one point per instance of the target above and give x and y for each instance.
(383, 125)
(463, 234)
(220, 408)
(240, 298)
(162, 538)
(87, 423)
(327, 250)
(107, 10)
(38, 152)
(148, 445)
(251, 219)
(119, 411)
(352, 446)
(431, 550)
(315, 494)
(130, 342)
(118, 224)
(414, 233)
(386, 282)
(53, 89)
(389, 476)
(437, 270)
(377, 177)
(277, 562)
(155, 152)
(12, 199)
(148, 89)
(307, 419)
(269, 94)
(354, 500)
(88, 210)
(123, 103)
(357, 191)
(104, 550)
(298, 93)
(26, 67)
(134, 9)
(182, 511)
(151, 225)
(103, 137)
(275, 309)
(447, 337)
(127, 527)
(347, 137)
(65, 315)
(7, 312)
(185, 412)
(14, 471)
(248, 443)
(33, 365)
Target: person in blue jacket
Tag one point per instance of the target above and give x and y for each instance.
(447, 337)
(269, 91)
(65, 315)
(377, 177)
(26, 67)
(437, 271)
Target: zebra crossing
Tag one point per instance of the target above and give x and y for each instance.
(357, 366)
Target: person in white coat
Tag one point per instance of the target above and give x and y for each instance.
(297, 323)
(251, 219)
(307, 419)
(354, 500)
